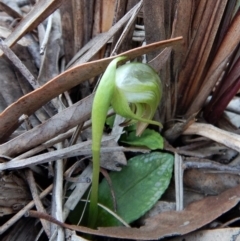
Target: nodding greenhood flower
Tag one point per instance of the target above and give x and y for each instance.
(137, 94)
(134, 90)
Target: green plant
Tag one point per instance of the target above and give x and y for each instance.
(137, 187)
(134, 91)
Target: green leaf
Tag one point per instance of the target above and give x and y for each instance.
(110, 121)
(149, 138)
(137, 187)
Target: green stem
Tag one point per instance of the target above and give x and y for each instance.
(93, 209)
(101, 103)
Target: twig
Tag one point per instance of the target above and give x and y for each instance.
(22, 212)
(18, 63)
(226, 138)
(104, 38)
(10, 11)
(109, 182)
(76, 134)
(36, 199)
(85, 207)
(197, 163)
(76, 195)
(46, 36)
(112, 213)
(224, 225)
(76, 150)
(85, 48)
(79, 190)
(36, 214)
(70, 170)
(45, 145)
(178, 172)
(127, 28)
(67, 119)
(57, 196)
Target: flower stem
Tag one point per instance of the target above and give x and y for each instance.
(101, 103)
(93, 209)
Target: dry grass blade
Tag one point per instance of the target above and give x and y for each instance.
(65, 120)
(228, 45)
(5, 8)
(81, 149)
(223, 94)
(38, 203)
(190, 77)
(183, 19)
(40, 11)
(17, 62)
(105, 37)
(224, 137)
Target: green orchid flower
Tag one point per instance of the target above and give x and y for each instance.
(134, 91)
(137, 94)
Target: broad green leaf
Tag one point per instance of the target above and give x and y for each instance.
(149, 138)
(137, 187)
